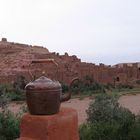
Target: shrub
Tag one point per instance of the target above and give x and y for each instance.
(16, 95)
(9, 126)
(109, 86)
(9, 122)
(109, 121)
(100, 131)
(20, 83)
(65, 87)
(138, 82)
(135, 130)
(4, 91)
(77, 87)
(13, 92)
(87, 85)
(86, 133)
(18, 89)
(9, 93)
(106, 108)
(124, 86)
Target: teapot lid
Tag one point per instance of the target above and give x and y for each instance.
(43, 83)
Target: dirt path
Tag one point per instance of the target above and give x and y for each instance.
(131, 102)
(80, 105)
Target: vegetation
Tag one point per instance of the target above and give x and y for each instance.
(138, 82)
(15, 91)
(87, 86)
(65, 87)
(9, 125)
(9, 122)
(109, 121)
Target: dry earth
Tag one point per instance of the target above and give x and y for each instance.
(130, 101)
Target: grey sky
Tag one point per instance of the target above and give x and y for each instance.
(98, 31)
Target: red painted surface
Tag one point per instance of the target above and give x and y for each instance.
(61, 126)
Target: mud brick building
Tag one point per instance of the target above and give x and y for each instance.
(16, 60)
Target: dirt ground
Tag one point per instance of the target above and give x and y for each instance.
(131, 102)
(80, 105)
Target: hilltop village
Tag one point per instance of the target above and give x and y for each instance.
(16, 60)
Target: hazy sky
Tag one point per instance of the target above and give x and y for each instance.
(98, 31)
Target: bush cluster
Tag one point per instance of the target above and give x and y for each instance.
(13, 92)
(9, 126)
(65, 87)
(9, 122)
(124, 86)
(107, 120)
(138, 82)
(87, 85)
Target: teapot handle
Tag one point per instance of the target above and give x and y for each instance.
(44, 61)
(67, 96)
(38, 61)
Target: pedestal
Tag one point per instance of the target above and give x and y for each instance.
(61, 126)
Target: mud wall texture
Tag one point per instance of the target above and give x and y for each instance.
(16, 60)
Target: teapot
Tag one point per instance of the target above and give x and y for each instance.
(44, 96)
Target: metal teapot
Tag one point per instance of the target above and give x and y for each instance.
(44, 95)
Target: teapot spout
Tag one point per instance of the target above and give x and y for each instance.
(65, 97)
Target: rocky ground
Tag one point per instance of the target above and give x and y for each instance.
(131, 102)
